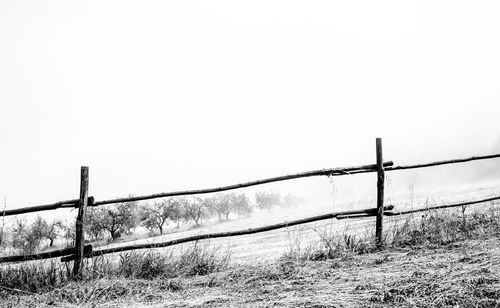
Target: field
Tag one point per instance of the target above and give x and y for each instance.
(437, 259)
(271, 245)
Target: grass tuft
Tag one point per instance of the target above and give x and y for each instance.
(444, 258)
(443, 227)
(433, 228)
(40, 277)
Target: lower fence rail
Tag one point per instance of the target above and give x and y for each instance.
(95, 253)
(68, 254)
(45, 255)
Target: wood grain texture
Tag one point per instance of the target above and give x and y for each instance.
(80, 223)
(45, 255)
(380, 193)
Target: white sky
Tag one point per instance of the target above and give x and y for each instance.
(165, 95)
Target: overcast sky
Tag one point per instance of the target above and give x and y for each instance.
(164, 95)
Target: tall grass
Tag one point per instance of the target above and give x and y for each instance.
(442, 227)
(38, 277)
(429, 228)
(198, 259)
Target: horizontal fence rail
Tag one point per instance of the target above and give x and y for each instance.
(47, 207)
(45, 255)
(74, 203)
(443, 162)
(70, 254)
(322, 172)
(38, 208)
(427, 165)
(442, 206)
(388, 166)
(367, 212)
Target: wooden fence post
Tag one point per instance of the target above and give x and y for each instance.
(380, 193)
(82, 207)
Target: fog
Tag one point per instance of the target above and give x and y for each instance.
(162, 96)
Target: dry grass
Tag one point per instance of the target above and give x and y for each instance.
(438, 259)
(41, 277)
(432, 228)
(436, 227)
(462, 274)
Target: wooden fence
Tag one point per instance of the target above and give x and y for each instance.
(81, 251)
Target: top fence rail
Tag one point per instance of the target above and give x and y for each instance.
(389, 166)
(321, 172)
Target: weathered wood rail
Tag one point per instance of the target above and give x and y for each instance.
(74, 203)
(445, 206)
(388, 166)
(46, 255)
(286, 224)
(80, 251)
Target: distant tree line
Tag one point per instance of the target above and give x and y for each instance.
(113, 221)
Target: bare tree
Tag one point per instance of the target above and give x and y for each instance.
(93, 224)
(28, 237)
(69, 233)
(116, 219)
(221, 204)
(38, 227)
(210, 206)
(156, 215)
(266, 200)
(194, 209)
(290, 200)
(242, 205)
(177, 212)
(19, 234)
(52, 231)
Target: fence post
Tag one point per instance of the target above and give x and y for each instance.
(380, 193)
(82, 207)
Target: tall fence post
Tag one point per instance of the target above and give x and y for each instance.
(82, 207)
(380, 193)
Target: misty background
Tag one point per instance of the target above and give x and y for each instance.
(162, 96)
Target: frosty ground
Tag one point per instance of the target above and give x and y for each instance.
(433, 259)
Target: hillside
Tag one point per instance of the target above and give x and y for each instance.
(461, 274)
(271, 245)
(439, 259)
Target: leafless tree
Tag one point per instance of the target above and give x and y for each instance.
(266, 200)
(115, 219)
(156, 215)
(194, 209)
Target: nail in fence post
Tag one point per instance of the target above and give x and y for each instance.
(380, 193)
(82, 207)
